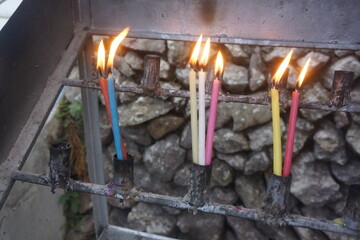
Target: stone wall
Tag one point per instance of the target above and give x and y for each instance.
(157, 133)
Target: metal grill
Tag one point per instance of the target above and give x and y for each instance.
(59, 34)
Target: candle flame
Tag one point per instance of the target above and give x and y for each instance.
(219, 66)
(303, 73)
(195, 53)
(101, 58)
(114, 46)
(205, 55)
(282, 68)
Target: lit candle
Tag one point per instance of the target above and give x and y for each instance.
(275, 108)
(219, 66)
(108, 90)
(193, 105)
(202, 79)
(292, 121)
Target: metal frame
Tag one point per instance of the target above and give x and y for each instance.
(59, 40)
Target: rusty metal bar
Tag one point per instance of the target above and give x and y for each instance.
(262, 100)
(150, 81)
(177, 202)
(340, 92)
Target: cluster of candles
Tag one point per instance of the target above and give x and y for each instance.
(202, 143)
(107, 85)
(202, 152)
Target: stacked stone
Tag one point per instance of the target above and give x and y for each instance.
(157, 133)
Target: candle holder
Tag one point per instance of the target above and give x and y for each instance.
(199, 182)
(352, 209)
(59, 165)
(123, 179)
(277, 194)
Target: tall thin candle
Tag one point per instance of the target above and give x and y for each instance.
(213, 108)
(275, 108)
(202, 79)
(292, 121)
(193, 105)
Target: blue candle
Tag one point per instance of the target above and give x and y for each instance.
(115, 118)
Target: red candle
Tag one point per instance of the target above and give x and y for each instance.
(292, 122)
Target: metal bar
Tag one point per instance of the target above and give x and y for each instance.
(93, 140)
(115, 232)
(262, 100)
(177, 202)
(230, 40)
(31, 129)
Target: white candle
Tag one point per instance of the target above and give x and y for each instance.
(202, 78)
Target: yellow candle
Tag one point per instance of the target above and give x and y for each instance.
(275, 108)
(193, 110)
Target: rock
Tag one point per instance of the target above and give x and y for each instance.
(221, 174)
(118, 217)
(251, 190)
(258, 162)
(281, 52)
(164, 157)
(142, 110)
(152, 219)
(185, 140)
(172, 211)
(223, 195)
(163, 125)
(243, 115)
(227, 141)
(276, 234)
(349, 63)
(339, 236)
(314, 93)
(256, 70)
(330, 144)
(128, 97)
(312, 182)
(306, 233)
(123, 67)
(238, 51)
(352, 137)
(341, 119)
(138, 134)
(235, 78)
(164, 69)
(348, 173)
(178, 52)
(229, 235)
(236, 161)
(343, 53)
(183, 175)
(318, 60)
(152, 183)
(355, 117)
(245, 229)
(147, 45)
(201, 226)
(134, 60)
(355, 92)
(182, 74)
(292, 78)
(262, 136)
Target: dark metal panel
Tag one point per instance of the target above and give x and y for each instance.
(306, 23)
(31, 44)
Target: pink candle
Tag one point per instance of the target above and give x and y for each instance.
(292, 122)
(291, 133)
(213, 108)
